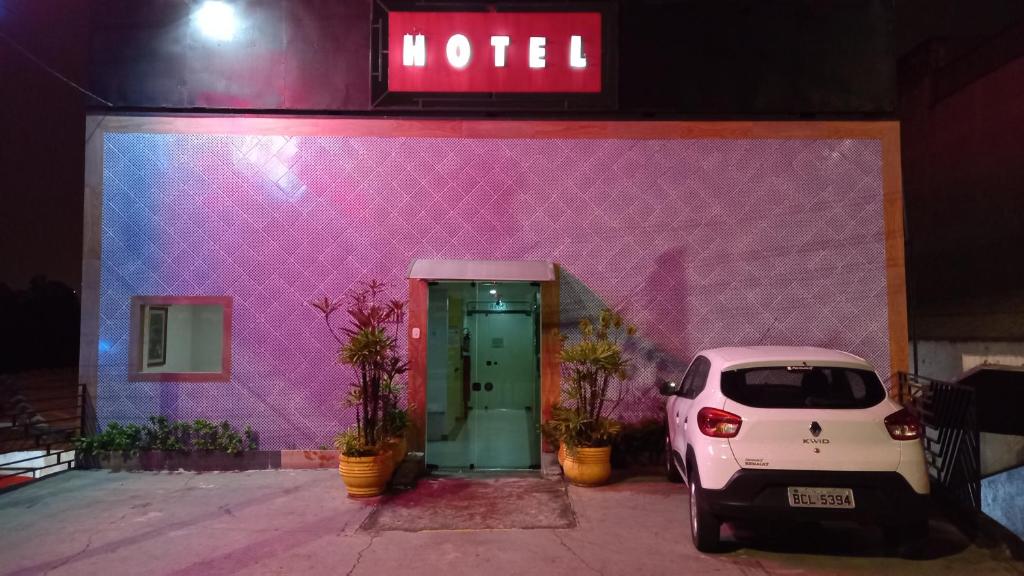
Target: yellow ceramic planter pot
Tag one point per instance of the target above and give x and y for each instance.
(399, 447)
(588, 466)
(561, 453)
(365, 476)
(387, 467)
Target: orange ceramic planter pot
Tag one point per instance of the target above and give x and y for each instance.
(588, 466)
(365, 476)
(561, 453)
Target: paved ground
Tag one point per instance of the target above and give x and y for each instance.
(478, 502)
(299, 522)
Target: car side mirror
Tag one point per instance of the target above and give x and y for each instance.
(668, 388)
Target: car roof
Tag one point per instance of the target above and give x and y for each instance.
(737, 356)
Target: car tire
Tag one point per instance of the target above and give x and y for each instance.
(704, 527)
(671, 470)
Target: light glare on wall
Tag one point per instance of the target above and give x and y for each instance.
(216, 20)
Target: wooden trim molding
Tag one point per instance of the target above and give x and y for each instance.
(550, 346)
(136, 370)
(895, 257)
(89, 330)
(417, 389)
(530, 129)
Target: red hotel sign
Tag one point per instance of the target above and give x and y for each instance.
(540, 52)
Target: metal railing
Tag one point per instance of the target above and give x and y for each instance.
(951, 440)
(40, 416)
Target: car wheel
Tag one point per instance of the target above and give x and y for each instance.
(671, 471)
(704, 527)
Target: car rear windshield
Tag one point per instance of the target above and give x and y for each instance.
(803, 387)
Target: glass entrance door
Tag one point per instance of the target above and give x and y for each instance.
(483, 375)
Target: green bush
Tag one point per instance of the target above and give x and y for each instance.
(252, 440)
(161, 434)
(115, 438)
(166, 435)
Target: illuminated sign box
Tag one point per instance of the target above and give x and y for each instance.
(494, 52)
(495, 56)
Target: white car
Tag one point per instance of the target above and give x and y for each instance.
(797, 433)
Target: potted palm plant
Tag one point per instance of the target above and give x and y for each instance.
(396, 425)
(591, 368)
(555, 429)
(369, 344)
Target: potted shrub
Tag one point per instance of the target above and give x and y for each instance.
(396, 422)
(554, 430)
(369, 344)
(591, 368)
(364, 469)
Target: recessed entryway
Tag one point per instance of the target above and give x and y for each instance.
(483, 375)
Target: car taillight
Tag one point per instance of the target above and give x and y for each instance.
(718, 423)
(903, 425)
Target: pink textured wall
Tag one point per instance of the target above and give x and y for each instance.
(699, 243)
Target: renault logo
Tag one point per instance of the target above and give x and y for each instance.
(815, 429)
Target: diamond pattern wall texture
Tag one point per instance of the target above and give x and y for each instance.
(699, 243)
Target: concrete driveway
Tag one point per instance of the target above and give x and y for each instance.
(299, 522)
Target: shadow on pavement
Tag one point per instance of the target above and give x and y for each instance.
(838, 539)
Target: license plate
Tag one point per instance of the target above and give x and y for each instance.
(800, 497)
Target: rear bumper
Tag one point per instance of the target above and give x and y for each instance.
(880, 497)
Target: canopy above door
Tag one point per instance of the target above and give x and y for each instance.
(496, 270)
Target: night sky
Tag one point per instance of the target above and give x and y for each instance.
(41, 146)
